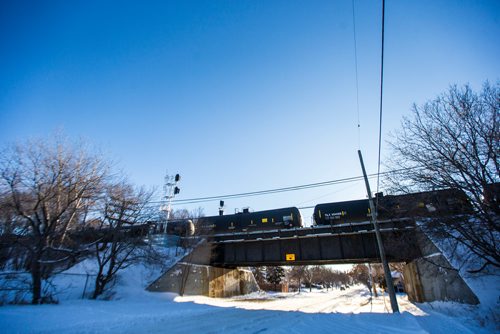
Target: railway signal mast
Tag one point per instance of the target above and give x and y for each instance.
(171, 189)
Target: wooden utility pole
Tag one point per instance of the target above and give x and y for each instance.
(387, 271)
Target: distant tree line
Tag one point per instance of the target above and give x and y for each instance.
(295, 277)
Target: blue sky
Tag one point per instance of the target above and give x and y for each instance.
(235, 96)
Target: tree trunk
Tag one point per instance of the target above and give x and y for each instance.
(103, 279)
(36, 278)
(99, 286)
(374, 287)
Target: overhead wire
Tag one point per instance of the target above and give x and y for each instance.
(381, 98)
(325, 195)
(278, 190)
(270, 191)
(356, 70)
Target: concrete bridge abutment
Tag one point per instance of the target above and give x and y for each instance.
(192, 279)
(431, 277)
(194, 275)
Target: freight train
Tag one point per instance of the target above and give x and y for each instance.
(436, 203)
(424, 204)
(181, 227)
(247, 221)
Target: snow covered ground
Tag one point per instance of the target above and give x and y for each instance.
(138, 311)
(134, 310)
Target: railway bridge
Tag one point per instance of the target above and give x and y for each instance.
(335, 244)
(213, 267)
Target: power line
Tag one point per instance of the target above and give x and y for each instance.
(270, 191)
(381, 96)
(279, 190)
(356, 67)
(276, 190)
(153, 204)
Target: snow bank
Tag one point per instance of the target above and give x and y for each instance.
(485, 285)
(349, 311)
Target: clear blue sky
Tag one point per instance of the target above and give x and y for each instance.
(235, 96)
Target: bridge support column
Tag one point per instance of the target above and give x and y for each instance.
(192, 279)
(194, 275)
(433, 279)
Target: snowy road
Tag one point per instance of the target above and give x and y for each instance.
(348, 311)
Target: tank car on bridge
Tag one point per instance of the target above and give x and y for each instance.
(342, 212)
(181, 227)
(247, 221)
(426, 204)
(436, 203)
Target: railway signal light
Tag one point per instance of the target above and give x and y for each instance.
(221, 208)
(171, 190)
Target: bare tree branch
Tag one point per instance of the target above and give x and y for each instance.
(453, 141)
(47, 186)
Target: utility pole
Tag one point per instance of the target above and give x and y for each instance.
(387, 271)
(372, 282)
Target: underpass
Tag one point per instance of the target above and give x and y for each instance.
(216, 265)
(332, 244)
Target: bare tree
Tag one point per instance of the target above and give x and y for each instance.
(297, 273)
(180, 214)
(338, 278)
(309, 274)
(12, 257)
(47, 188)
(319, 275)
(453, 142)
(125, 212)
(259, 273)
(360, 274)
